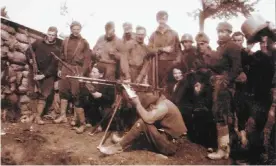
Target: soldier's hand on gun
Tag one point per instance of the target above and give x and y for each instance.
(59, 73)
(39, 77)
(167, 49)
(97, 95)
(126, 81)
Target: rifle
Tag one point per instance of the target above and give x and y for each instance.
(135, 86)
(34, 63)
(89, 87)
(64, 64)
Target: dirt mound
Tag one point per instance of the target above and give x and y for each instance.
(29, 148)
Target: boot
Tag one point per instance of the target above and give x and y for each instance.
(80, 114)
(116, 138)
(74, 121)
(63, 106)
(223, 151)
(33, 107)
(112, 149)
(244, 139)
(40, 107)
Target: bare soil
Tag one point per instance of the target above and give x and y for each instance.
(57, 144)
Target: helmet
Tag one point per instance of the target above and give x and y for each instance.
(187, 37)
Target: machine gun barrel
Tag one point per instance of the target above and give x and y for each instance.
(137, 87)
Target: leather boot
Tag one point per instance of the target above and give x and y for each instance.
(244, 139)
(40, 107)
(74, 120)
(33, 107)
(80, 114)
(63, 106)
(112, 149)
(223, 151)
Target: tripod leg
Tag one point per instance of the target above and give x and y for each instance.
(114, 112)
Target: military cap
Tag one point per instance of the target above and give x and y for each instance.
(75, 23)
(140, 28)
(109, 25)
(202, 38)
(147, 98)
(224, 26)
(53, 29)
(127, 27)
(187, 37)
(161, 14)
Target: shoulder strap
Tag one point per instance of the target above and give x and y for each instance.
(77, 48)
(66, 40)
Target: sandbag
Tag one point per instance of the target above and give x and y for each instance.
(7, 28)
(11, 42)
(24, 82)
(11, 71)
(22, 47)
(23, 38)
(5, 35)
(24, 99)
(25, 73)
(32, 35)
(22, 89)
(13, 98)
(4, 51)
(19, 77)
(17, 57)
(5, 90)
(12, 87)
(12, 79)
(16, 67)
(2, 42)
(27, 67)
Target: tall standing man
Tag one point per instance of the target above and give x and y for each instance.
(47, 67)
(226, 69)
(76, 53)
(165, 43)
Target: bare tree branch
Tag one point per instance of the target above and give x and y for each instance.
(223, 9)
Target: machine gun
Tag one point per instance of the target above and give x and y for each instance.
(128, 87)
(137, 87)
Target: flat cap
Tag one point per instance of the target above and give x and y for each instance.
(161, 14)
(109, 25)
(224, 26)
(127, 27)
(75, 23)
(201, 37)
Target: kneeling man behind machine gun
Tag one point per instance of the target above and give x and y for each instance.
(120, 87)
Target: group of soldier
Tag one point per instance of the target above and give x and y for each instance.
(206, 94)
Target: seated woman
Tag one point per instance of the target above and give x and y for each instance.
(96, 99)
(180, 92)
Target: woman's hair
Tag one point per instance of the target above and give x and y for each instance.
(101, 69)
(170, 73)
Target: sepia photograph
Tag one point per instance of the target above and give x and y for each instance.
(147, 82)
